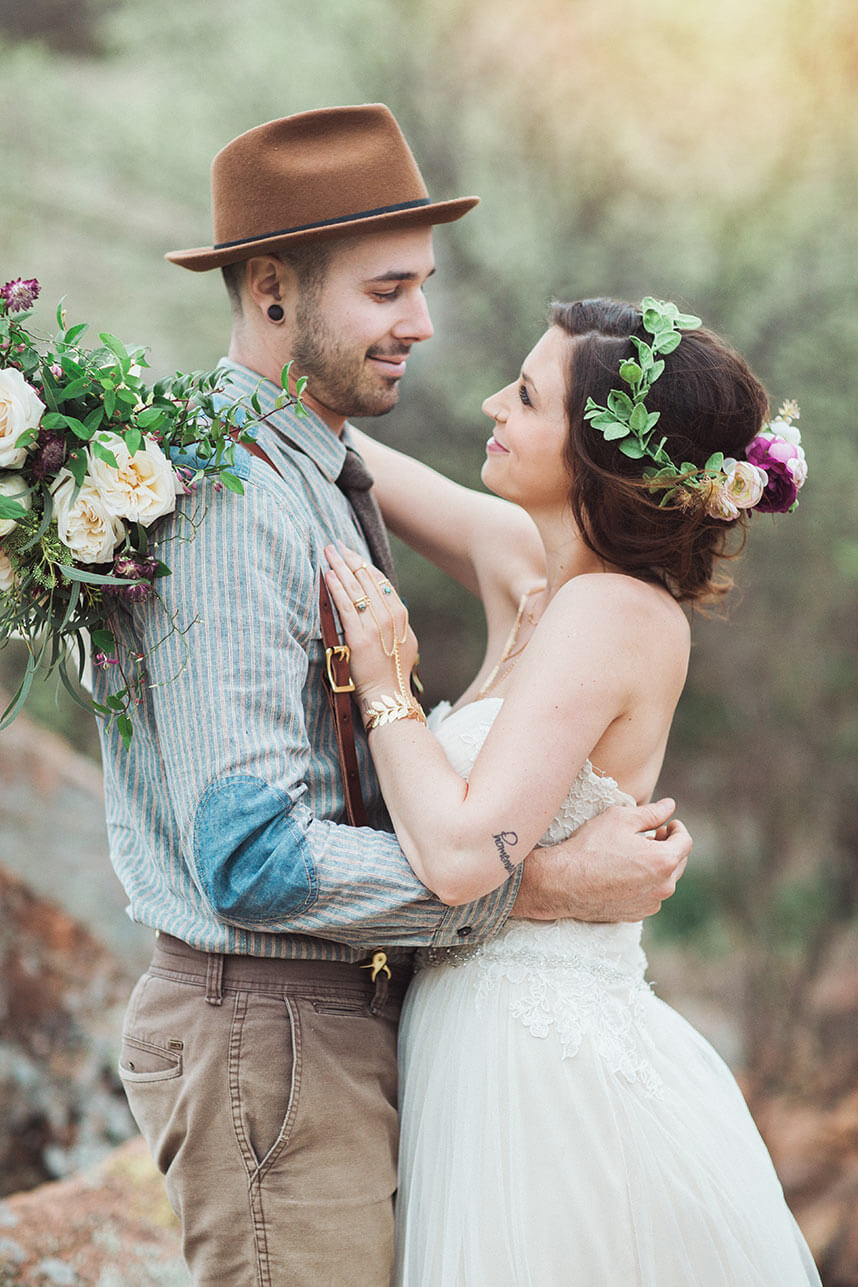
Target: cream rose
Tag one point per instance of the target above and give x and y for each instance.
(14, 486)
(141, 488)
(7, 573)
(745, 484)
(20, 409)
(84, 523)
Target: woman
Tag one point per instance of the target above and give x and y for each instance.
(560, 1125)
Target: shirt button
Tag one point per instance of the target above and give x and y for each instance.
(464, 931)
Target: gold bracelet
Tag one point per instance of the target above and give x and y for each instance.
(386, 709)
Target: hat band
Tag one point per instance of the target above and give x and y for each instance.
(324, 223)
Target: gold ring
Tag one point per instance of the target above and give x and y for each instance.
(385, 586)
(361, 604)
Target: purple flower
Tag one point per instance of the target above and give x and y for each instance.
(49, 454)
(136, 567)
(785, 468)
(20, 294)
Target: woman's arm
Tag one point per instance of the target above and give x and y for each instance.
(470, 535)
(462, 838)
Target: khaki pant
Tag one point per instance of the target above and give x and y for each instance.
(266, 1091)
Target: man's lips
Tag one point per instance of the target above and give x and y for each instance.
(493, 446)
(390, 364)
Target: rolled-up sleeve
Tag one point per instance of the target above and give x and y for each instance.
(231, 648)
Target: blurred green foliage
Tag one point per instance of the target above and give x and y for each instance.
(705, 154)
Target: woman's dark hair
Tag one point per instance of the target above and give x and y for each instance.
(709, 401)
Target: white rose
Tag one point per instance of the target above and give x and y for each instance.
(14, 486)
(84, 524)
(20, 409)
(7, 573)
(141, 488)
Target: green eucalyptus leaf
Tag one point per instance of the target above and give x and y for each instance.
(109, 401)
(657, 370)
(284, 375)
(652, 420)
(93, 578)
(620, 403)
(125, 730)
(715, 461)
(630, 371)
(75, 332)
(638, 418)
(11, 509)
(74, 389)
(667, 341)
(632, 448)
(615, 431)
(688, 322)
(232, 483)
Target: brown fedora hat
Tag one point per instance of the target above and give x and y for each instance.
(312, 176)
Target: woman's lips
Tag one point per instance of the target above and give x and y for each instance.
(494, 447)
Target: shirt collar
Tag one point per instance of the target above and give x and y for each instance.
(308, 433)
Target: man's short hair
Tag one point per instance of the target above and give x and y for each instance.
(309, 261)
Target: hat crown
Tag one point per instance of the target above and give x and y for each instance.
(316, 168)
(316, 175)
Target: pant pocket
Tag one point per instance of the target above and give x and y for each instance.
(145, 1061)
(263, 1073)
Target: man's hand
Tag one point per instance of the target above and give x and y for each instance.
(609, 870)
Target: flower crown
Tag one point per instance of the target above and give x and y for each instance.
(767, 480)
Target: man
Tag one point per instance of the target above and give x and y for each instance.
(259, 1051)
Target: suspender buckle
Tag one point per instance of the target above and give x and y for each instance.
(342, 653)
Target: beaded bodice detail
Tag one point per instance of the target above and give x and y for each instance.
(569, 979)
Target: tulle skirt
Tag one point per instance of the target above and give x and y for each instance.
(620, 1154)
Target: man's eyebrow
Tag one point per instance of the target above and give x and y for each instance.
(394, 276)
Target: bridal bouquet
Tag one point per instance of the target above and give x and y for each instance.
(90, 459)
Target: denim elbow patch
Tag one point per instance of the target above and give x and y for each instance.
(252, 858)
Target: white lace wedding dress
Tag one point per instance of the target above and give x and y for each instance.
(561, 1126)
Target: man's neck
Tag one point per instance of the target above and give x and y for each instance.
(268, 365)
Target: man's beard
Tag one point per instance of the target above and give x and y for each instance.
(337, 374)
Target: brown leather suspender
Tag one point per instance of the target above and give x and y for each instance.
(339, 689)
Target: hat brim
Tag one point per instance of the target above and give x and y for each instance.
(203, 258)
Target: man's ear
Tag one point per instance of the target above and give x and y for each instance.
(267, 282)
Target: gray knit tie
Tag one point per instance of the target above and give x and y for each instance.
(355, 481)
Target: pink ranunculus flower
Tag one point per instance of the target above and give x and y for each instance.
(784, 463)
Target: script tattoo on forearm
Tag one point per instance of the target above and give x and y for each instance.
(502, 840)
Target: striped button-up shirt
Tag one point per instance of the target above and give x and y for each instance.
(226, 815)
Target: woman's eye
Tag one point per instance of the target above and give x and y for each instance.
(522, 393)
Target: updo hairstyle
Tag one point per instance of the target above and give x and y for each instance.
(709, 401)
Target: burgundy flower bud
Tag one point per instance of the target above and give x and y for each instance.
(136, 593)
(50, 453)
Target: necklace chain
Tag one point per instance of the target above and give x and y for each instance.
(508, 654)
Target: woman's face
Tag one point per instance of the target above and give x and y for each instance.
(525, 456)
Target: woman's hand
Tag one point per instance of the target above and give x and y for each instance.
(375, 624)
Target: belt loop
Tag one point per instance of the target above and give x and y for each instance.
(214, 978)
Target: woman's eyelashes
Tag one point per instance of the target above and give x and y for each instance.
(523, 395)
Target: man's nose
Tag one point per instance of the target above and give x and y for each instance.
(415, 324)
